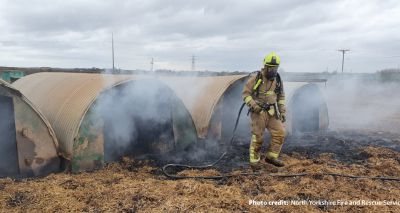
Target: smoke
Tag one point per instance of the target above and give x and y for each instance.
(192, 95)
(137, 118)
(196, 92)
(145, 118)
(363, 102)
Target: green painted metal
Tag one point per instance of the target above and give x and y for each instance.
(88, 147)
(185, 133)
(12, 75)
(88, 150)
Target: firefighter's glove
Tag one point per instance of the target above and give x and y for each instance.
(255, 107)
(283, 117)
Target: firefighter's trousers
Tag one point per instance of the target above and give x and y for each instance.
(260, 122)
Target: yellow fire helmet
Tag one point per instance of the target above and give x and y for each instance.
(272, 60)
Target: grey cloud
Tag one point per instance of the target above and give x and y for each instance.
(225, 35)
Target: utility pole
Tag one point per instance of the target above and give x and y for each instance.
(193, 63)
(151, 64)
(343, 52)
(112, 46)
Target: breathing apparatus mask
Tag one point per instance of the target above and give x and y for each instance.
(270, 72)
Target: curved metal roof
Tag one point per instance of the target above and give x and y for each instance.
(5, 84)
(201, 95)
(31, 105)
(65, 98)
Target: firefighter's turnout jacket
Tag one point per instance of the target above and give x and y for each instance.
(265, 93)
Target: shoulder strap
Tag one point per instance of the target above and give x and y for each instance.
(278, 89)
(256, 88)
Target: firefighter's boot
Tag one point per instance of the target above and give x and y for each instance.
(274, 161)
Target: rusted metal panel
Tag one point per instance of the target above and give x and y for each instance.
(200, 96)
(67, 99)
(35, 140)
(36, 150)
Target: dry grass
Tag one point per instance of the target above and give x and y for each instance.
(127, 188)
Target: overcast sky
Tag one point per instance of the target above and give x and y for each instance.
(224, 35)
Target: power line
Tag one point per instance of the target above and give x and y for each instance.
(343, 52)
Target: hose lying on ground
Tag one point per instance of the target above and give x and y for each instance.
(281, 175)
(218, 177)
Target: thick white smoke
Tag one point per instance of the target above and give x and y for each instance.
(137, 118)
(363, 102)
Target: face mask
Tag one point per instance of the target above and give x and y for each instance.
(272, 73)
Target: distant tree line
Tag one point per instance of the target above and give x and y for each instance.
(389, 75)
(385, 75)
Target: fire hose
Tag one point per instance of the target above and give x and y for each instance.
(172, 176)
(279, 175)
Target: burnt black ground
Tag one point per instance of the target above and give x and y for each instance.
(344, 146)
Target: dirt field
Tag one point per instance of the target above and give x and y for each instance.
(140, 186)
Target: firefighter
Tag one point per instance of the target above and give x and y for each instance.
(264, 95)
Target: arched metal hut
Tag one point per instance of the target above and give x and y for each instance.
(28, 146)
(100, 117)
(214, 103)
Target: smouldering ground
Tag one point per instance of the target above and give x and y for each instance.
(137, 186)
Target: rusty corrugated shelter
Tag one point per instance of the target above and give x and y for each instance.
(81, 106)
(214, 103)
(28, 146)
(202, 96)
